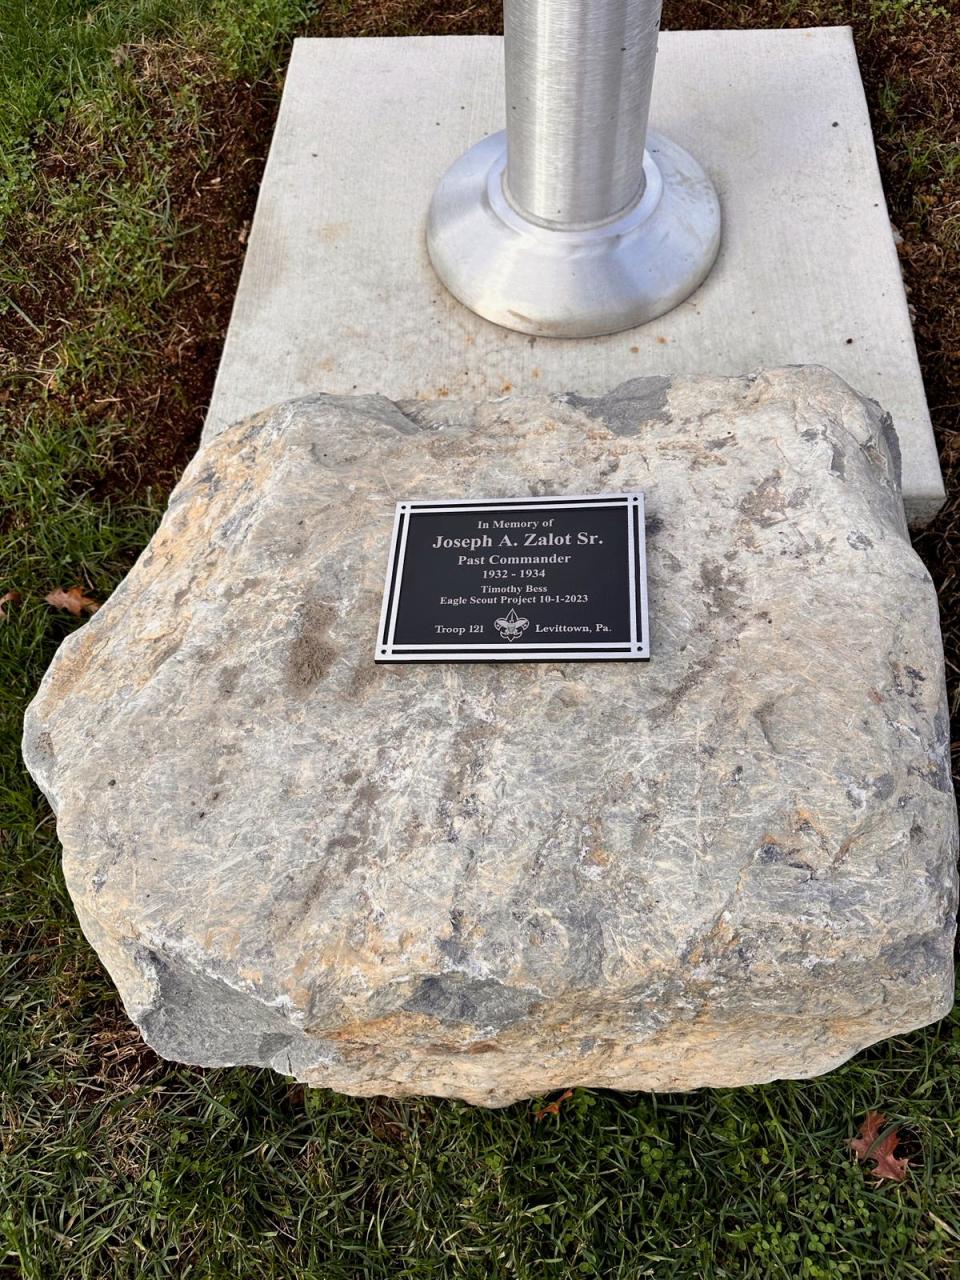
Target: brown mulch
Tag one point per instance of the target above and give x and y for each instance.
(217, 210)
(410, 18)
(216, 207)
(159, 399)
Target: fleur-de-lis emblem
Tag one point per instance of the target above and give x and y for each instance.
(512, 627)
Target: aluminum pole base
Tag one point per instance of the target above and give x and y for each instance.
(580, 283)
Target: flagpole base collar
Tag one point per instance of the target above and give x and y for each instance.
(579, 282)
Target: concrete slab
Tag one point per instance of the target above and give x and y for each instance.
(337, 293)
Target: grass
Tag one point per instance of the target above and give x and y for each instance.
(131, 136)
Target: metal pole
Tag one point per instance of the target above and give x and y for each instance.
(565, 225)
(578, 78)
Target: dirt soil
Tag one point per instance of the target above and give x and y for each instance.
(166, 389)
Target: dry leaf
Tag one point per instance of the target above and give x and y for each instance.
(75, 601)
(11, 597)
(871, 1146)
(552, 1108)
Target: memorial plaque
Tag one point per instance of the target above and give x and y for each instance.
(516, 580)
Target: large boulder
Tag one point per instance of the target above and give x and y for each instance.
(734, 863)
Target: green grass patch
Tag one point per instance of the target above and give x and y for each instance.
(126, 129)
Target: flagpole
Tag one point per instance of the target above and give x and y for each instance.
(576, 220)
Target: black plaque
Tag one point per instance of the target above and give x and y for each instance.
(521, 580)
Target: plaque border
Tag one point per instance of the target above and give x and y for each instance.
(637, 648)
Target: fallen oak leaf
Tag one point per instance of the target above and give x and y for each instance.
(886, 1163)
(868, 1134)
(11, 597)
(552, 1108)
(880, 1148)
(75, 601)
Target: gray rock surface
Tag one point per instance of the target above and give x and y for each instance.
(734, 863)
